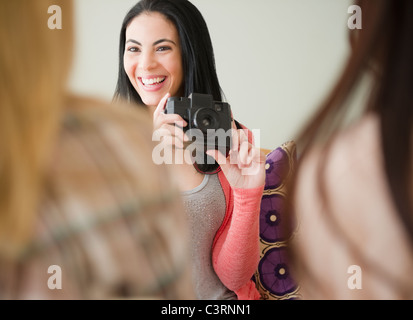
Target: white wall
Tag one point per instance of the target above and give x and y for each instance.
(276, 59)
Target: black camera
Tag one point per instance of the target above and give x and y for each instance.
(209, 121)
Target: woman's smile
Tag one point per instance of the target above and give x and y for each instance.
(153, 83)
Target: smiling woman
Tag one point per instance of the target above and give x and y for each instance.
(166, 50)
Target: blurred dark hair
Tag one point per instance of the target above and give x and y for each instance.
(382, 50)
(198, 59)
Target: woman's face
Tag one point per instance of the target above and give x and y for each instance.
(153, 59)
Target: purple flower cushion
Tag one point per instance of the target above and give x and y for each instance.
(274, 274)
(273, 278)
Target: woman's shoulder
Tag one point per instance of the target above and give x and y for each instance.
(348, 180)
(99, 133)
(347, 185)
(353, 152)
(93, 112)
(122, 130)
(348, 174)
(104, 187)
(356, 152)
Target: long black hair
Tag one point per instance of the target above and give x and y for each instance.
(198, 58)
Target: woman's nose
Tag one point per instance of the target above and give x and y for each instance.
(147, 61)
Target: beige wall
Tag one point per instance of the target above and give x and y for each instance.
(276, 59)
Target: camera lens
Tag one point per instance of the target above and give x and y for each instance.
(206, 122)
(205, 119)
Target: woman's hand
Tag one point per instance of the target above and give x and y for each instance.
(244, 167)
(164, 125)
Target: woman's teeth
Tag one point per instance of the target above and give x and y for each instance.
(153, 81)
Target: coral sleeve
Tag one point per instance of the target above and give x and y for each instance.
(236, 251)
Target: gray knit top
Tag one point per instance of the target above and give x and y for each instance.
(205, 207)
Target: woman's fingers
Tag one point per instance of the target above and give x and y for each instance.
(234, 137)
(244, 151)
(161, 106)
(160, 118)
(240, 149)
(169, 119)
(218, 157)
(241, 153)
(172, 135)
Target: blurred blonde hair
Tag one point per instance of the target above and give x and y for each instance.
(34, 65)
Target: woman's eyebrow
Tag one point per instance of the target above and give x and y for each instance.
(155, 43)
(163, 40)
(134, 41)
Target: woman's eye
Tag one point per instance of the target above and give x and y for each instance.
(133, 49)
(164, 48)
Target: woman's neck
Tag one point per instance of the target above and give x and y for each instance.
(151, 109)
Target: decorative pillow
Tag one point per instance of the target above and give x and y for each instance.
(272, 278)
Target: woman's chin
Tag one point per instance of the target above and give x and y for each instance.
(151, 102)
